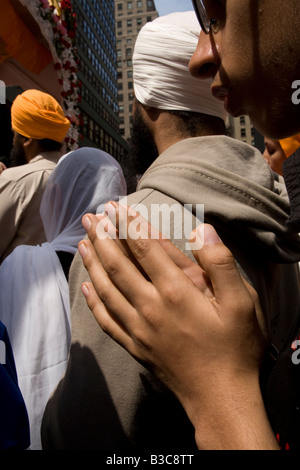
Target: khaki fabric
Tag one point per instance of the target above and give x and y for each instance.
(108, 401)
(21, 191)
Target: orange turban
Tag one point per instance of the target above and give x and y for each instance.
(37, 115)
(290, 144)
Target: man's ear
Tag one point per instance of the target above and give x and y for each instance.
(27, 142)
(30, 147)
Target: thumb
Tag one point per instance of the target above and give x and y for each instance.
(219, 264)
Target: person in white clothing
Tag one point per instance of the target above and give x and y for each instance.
(34, 297)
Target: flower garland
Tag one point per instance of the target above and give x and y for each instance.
(59, 28)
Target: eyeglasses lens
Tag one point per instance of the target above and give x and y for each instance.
(202, 15)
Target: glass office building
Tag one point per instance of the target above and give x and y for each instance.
(96, 44)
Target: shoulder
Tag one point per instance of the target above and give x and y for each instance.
(29, 170)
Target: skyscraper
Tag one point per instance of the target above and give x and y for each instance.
(241, 129)
(96, 42)
(130, 17)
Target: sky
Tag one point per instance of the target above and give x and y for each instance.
(164, 7)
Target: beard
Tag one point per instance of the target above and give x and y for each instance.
(17, 154)
(143, 149)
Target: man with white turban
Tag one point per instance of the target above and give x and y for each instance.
(107, 400)
(39, 126)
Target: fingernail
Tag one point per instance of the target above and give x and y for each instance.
(208, 234)
(87, 223)
(82, 248)
(85, 290)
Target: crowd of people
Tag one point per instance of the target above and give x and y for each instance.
(192, 280)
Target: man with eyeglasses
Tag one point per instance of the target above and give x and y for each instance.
(251, 51)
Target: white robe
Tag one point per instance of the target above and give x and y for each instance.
(34, 294)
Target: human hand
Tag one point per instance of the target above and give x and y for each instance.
(200, 340)
(197, 329)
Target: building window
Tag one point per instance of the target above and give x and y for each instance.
(242, 120)
(120, 6)
(119, 24)
(129, 5)
(129, 23)
(139, 3)
(243, 132)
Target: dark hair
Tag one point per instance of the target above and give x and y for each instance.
(50, 145)
(193, 124)
(47, 144)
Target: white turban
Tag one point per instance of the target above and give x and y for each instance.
(161, 58)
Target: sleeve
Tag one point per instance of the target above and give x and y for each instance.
(11, 202)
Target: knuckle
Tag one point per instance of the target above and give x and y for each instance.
(225, 261)
(149, 313)
(104, 295)
(111, 267)
(150, 309)
(172, 293)
(102, 292)
(105, 325)
(138, 335)
(141, 248)
(92, 303)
